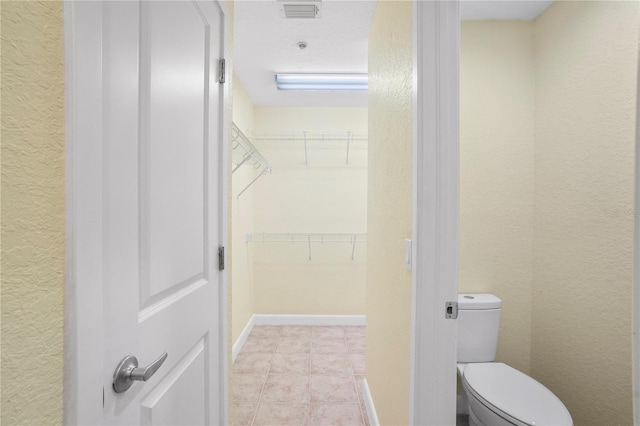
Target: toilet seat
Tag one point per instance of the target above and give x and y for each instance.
(514, 396)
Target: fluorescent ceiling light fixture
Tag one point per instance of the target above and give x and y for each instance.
(323, 82)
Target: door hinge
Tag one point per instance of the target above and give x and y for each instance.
(221, 258)
(451, 310)
(221, 68)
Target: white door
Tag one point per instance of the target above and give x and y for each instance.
(161, 208)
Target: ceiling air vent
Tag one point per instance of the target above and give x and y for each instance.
(300, 9)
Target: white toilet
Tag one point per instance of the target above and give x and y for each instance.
(495, 393)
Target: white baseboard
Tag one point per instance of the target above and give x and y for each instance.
(275, 319)
(368, 404)
(349, 320)
(237, 346)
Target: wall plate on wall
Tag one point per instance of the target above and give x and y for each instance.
(407, 254)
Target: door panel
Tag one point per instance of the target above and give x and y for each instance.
(174, 67)
(171, 401)
(161, 208)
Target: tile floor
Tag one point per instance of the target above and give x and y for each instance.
(300, 375)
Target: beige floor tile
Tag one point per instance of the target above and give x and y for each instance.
(328, 331)
(329, 346)
(270, 414)
(359, 381)
(336, 415)
(247, 387)
(243, 414)
(260, 344)
(332, 389)
(294, 345)
(296, 331)
(252, 362)
(358, 364)
(330, 364)
(323, 366)
(290, 363)
(365, 416)
(286, 388)
(266, 330)
(355, 331)
(356, 345)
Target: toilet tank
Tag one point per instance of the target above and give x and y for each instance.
(478, 325)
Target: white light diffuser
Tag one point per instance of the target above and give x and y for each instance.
(323, 82)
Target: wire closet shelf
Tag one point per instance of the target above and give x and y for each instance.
(249, 154)
(309, 238)
(304, 136)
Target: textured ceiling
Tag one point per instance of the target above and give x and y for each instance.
(266, 43)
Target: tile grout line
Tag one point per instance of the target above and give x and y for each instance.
(313, 334)
(264, 384)
(309, 386)
(353, 377)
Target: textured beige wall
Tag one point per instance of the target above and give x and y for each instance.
(326, 197)
(389, 211)
(241, 221)
(33, 215)
(586, 71)
(242, 109)
(497, 88)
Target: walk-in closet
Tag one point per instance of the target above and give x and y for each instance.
(302, 200)
(299, 212)
(299, 177)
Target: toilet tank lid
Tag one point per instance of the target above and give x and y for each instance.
(468, 301)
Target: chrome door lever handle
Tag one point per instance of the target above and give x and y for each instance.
(128, 371)
(145, 373)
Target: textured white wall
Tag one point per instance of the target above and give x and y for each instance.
(586, 71)
(325, 197)
(241, 220)
(497, 88)
(389, 211)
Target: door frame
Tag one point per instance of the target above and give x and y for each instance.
(84, 322)
(435, 182)
(434, 224)
(435, 239)
(636, 269)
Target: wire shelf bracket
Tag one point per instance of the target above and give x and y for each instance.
(249, 154)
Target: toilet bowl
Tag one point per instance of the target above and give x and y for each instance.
(499, 395)
(495, 393)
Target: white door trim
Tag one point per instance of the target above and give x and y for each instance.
(223, 309)
(432, 394)
(636, 272)
(84, 323)
(83, 303)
